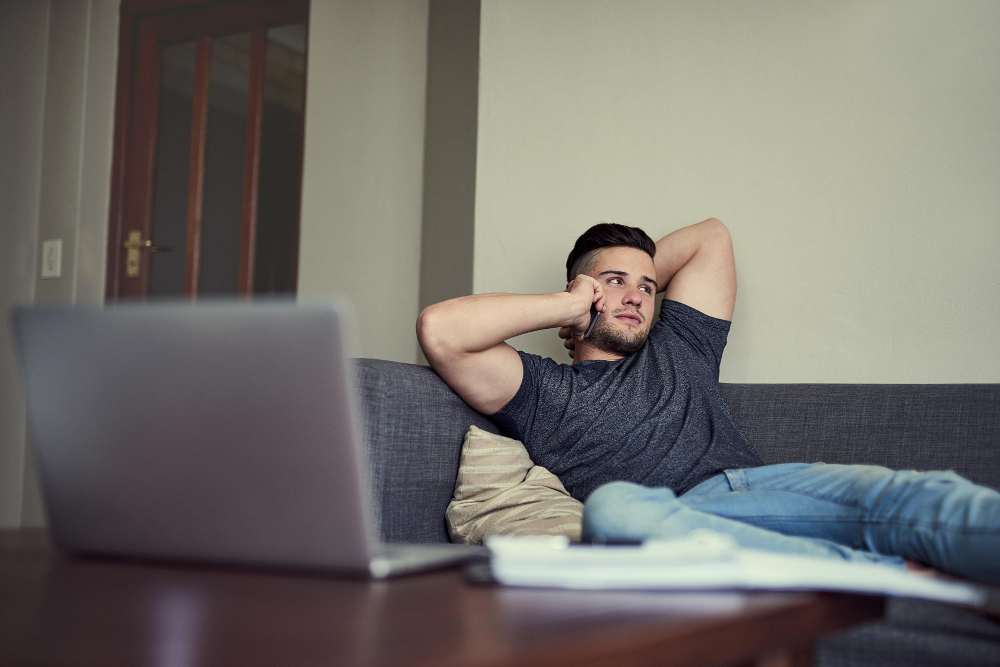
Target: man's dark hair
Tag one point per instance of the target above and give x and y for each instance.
(605, 235)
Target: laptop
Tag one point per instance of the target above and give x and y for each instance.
(221, 432)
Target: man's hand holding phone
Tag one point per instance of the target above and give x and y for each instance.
(590, 292)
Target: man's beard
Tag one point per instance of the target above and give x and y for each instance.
(607, 338)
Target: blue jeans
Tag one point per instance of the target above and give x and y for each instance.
(853, 512)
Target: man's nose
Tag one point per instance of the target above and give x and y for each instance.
(633, 297)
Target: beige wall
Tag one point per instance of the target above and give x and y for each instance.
(23, 36)
(363, 173)
(60, 188)
(58, 63)
(449, 195)
(851, 147)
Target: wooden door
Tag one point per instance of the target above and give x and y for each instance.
(208, 148)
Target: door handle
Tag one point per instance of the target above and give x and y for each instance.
(132, 247)
(148, 245)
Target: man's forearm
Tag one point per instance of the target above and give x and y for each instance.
(475, 323)
(677, 248)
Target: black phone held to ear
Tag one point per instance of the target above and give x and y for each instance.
(594, 314)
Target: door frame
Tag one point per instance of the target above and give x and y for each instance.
(127, 136)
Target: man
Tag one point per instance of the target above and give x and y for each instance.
(637, 426)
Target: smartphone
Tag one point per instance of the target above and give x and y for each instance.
(594, 314)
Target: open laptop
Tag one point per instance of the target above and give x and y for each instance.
(220, 431)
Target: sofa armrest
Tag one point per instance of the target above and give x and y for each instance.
(413, 426)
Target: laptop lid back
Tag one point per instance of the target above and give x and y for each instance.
(218, 431)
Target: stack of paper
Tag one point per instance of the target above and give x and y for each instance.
(705, 561)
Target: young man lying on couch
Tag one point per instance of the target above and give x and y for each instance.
(637, 426)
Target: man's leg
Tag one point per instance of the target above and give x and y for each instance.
(625, 512)
(937, 518)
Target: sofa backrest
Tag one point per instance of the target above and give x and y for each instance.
(414, 426)
(899, 426)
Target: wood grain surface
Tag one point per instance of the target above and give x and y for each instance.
(58, 610)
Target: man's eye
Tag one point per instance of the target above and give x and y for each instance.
(647, 288)
(614, 279)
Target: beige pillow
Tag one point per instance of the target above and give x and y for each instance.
(499, 491)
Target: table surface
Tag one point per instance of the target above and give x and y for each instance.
(57, 610)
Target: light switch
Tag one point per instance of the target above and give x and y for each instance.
(52, 258)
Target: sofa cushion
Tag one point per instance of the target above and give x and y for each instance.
(499, 491)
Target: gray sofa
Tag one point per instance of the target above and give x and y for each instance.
(414, 427)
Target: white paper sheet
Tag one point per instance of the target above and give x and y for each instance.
(706, 561)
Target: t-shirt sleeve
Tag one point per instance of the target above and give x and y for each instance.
(516, 417)
(704, 334)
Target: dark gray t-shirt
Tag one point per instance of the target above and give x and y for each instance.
(656, 417)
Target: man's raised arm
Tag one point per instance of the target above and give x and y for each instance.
(463, 338)
(697, 266)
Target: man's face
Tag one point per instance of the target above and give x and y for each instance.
(628, 278)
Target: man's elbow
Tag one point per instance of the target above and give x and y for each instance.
(430, 333)
(716, 234)
(716, 226)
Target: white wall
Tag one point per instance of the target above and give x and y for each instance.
(851, 148)
(363, 173)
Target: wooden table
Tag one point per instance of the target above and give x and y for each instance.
(56, 611)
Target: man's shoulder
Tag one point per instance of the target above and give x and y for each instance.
(542, 365)
(547, 373)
